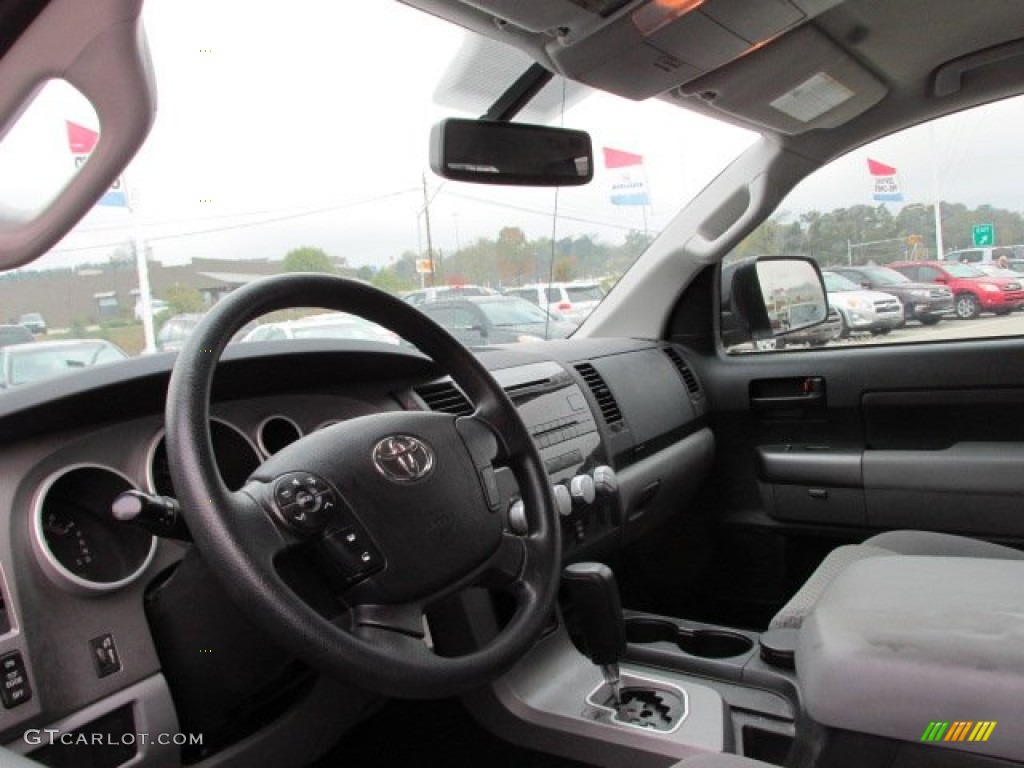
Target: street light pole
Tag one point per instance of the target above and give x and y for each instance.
(426, 218)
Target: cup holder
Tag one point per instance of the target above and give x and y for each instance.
(704, 643)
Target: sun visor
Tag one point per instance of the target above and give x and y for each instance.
(99, 48)
(822, 88)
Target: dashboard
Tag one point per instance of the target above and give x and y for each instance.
(620, 425)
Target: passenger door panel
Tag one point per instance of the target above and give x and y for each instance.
(900, 436)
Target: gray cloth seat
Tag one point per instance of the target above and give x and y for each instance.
(886, 544)
(721, 761)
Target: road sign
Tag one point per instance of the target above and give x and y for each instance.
(984, 234)
(424, 266)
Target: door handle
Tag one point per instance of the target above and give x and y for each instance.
(799, 393)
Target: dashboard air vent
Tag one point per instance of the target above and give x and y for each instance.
(444, 396)
(684, 370)
(605, 399)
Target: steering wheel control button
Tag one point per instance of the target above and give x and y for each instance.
(15, 688)
(104, 655)
(489, 481)
(353, 551)
(305, 501)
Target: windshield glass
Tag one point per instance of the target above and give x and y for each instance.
(884, 276)
(962, 270)
(315, 158)
(512, 312)
(31, 362)
(837, 283)
(584, 292)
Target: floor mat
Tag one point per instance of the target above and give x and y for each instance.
(436, 733)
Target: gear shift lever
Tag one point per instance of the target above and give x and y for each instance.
(595, 597)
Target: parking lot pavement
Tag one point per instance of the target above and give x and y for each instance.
(985, 326)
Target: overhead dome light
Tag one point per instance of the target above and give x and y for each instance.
(657, 13)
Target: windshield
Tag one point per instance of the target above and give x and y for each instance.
(584, 293)
(884, 276)
(28, 362)
(315, 158)
(512, 312)
(837, 283)
(962, 270)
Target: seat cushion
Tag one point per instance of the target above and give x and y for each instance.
(793, 613)
(884, 544)
(940, 545)
(721, 761)
(901, 643)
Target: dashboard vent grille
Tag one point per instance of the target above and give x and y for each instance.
(444, 396)
(605, 399)
(684, 370)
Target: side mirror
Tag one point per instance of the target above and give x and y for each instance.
(489, 152)
(771, 296)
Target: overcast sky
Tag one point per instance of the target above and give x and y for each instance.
(282, 126)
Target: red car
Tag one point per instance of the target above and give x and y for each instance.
(974, 292)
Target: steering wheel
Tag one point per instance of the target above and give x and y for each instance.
(404, 506)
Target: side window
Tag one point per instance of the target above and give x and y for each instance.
(554, 295)
(922, 215)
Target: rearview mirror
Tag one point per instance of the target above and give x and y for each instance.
(488, 152)
(771, 296)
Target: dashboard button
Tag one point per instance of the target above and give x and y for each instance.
(104, 655)
(15, 689)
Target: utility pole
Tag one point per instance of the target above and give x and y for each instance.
(426, 216)
(936, 194)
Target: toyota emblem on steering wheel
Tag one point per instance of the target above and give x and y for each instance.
(403, 459)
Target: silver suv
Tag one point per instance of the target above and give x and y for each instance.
(573, 301)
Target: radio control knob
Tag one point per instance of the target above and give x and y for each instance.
(563, 501)
(581, 489)
(606, 482)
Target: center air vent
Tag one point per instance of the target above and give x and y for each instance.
(444, 396)
(684, 370)
(605, 399)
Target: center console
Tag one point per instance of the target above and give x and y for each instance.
(653, 691)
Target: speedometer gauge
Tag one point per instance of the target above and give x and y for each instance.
(79, 544)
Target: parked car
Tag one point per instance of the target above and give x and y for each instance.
(814, 336)
(33, 321)
(156, 306)
(860, 309)
(974, 292)
(332, 325)
(14, 334)
(925, 302)
(442, 292)
(479, 321)
(984, 255)
(175, 330)
(993, 270)
(573, 301)
(28, 363)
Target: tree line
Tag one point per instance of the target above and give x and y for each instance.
(831, 237)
